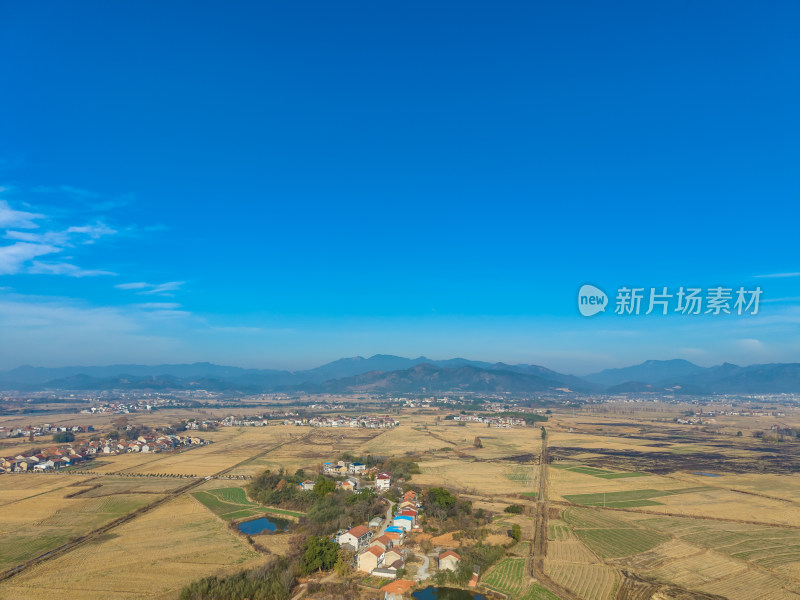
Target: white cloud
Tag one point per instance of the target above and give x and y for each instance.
(48, 239)
(63, 331)
(41, 268)
(132, 286)
(779, 275)
(93, 232)
(158, 305)
(751, 345)
(163, 289)
(17, 218)
(14, 258)
(784, 299)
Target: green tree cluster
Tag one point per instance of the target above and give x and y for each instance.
(273, 581)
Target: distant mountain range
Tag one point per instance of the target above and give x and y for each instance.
(386, 373)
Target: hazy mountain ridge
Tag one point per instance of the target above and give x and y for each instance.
(430, 378)
(386, 373)
(651, 371)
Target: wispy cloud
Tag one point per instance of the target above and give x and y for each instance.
(784, 299)
(779, 275)
(42, 268)
(10, 217)
(144, 287)
(34, 235)
(69, 331)
(158, 305)
(15, 258)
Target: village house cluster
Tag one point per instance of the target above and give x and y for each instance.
(506, 422)
(368, 422)
(383, 481)
(262, 420)
(43, 429)
(379, 545)
(54, 458)
(125, 407)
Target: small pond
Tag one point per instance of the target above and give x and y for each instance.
(264, 525)
(708, 474)
(446, 593)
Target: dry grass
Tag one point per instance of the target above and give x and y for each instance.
(487, 478)
(590, 581)
(152, 556)
(41, 523)
(18, 486)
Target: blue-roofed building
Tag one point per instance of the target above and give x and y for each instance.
(405, 522)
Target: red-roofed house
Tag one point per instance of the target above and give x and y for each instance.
(410, 513)
(449, 560)
(383, 541)
(383, 481)
(396, 589)
(357, 537)
(370, 559)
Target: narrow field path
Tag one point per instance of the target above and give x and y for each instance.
(539, 545)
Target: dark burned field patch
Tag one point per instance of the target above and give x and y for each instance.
(662, 463)
(522, 458)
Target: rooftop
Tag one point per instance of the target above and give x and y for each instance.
(401, 586)
(359, 531)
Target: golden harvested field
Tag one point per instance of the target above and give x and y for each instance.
(230, 446)
(570, 551)
(40, 523)
(589, 581)
(638, 459)
(767, 484)
(698, 567)
(694, 554)
(488, 478)
(308, 448)
(18, 486)
(152, 556)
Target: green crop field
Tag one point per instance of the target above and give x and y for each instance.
(559, 530)
(232, 503)
(21, 540)
(537, 592)
(768, 547)
(601, 473)
(229, 503)
(508, 576)
(610, 537)
(629, 499)
(521, 475)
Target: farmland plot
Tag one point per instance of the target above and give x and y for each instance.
(150, 557)
(508, 576)
(589, 581)
(610, 537)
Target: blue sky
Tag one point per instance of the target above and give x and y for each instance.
(282, 184)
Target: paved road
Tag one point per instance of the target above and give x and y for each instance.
(422, 572)
(388, 519)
